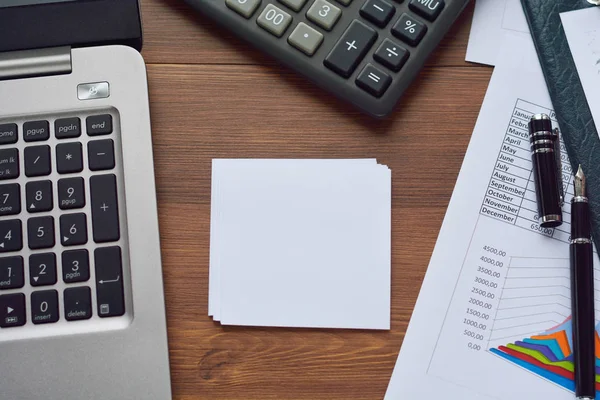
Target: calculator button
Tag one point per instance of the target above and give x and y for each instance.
(105, 208)
(44, 307)
(378, 12)
(351, 49)
(67, 128)
(109, 281)
(306, 39)
(99, 125)
(12, 310)
(8, 133)
(409, 30)
(42, 269)
(40, 232)
(324, 14)
(274, 20)
(428, 9)
(73, 229)
(344, 2)
(12, 275)
(391, 55)
(36, 130)
(38, 196)
(9, 163)
(71, 193)
(10, 199)
(373, 80)
(243, 7)
(295, 5)
(11, 238)
(37, 161)
(69, 158)
(101, 154)
(78, 303)
(75, 266)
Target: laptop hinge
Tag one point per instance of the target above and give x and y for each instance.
(38, 62)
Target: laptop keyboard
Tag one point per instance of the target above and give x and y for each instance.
(63, 248)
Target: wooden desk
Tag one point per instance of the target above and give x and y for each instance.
(214, 96)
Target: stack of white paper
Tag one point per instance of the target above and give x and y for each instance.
(300, 243)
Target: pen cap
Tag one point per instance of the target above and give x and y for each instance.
(546, 170)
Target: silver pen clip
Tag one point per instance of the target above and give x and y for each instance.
(594, 2)
(557, 155)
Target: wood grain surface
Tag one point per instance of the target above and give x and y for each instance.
(214, 96)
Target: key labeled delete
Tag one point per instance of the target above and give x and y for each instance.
(301, 243)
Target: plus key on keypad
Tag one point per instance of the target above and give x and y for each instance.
(351, 49)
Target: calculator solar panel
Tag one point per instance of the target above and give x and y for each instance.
(366, 52)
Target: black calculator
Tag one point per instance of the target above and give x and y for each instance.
(364, 51)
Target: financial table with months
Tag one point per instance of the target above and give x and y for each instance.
(510, 196)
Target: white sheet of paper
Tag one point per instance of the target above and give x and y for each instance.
(301, 243)
(216, 235)
(582, 28)
(491, 21)
(495, 277)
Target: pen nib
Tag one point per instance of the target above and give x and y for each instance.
(579, 183)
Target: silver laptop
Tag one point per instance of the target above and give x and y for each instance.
(82, 311)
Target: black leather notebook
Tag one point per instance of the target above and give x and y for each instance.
(571, 107)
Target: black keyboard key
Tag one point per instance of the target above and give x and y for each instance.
(69, 158)
(12, 310)
(10, 199)
(99, 125)
(409, 30)
(12, 275)
(105, 208)
(391, 55)
(75, 266)
(9, 163)
(36, 131)
(428, 9)
(73, 229)
(71, 193)
(38, 196)
(37, 161)
(11, 238)
(42, 269)
(351, 49)
(101, 154)
(373, 80)
(67, 128)
(40, 232)
(44, 307)
(78, 303)
(109, 281)
(9, 133)
(378, 12)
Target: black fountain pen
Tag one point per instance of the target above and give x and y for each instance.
(582, 292)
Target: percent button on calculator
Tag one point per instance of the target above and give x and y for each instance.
(409, 30)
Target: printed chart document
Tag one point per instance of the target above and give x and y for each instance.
(491, 21)
(493, 317)
(582, 28)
